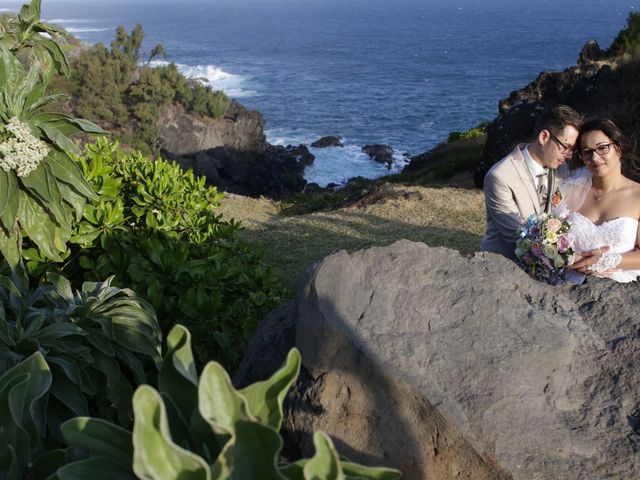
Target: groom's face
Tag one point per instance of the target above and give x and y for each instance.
(557, 148)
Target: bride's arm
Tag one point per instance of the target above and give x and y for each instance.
(628, 260)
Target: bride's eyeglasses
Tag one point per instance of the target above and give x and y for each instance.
(562, 147)
(587, 153)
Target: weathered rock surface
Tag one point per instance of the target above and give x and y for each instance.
(274, 172)
(181, 133)
(379, 153)
(455, 367)
(328, 141)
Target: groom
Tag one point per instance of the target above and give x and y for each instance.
(523, 183)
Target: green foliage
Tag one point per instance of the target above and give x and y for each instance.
(468, 135)
(111, 87)
(99, 342)
(23, 398)
(628, 40)
(203, 430)
(41, 188)
(155, 228)
(22, 35)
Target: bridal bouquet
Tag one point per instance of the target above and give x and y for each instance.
(544, 249)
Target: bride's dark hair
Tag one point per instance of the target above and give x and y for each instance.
(630, 164)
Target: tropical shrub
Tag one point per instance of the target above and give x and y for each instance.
(203, 429)
(100, 343)
(468, 135)
(41, 188)
(156, 229)
(127, 97)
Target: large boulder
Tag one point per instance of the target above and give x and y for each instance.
(379, 153)
(447, 366)
(328, 141)
(182, 133)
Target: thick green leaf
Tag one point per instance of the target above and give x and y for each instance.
(42, 184)
(355, 471)
(10, 249)
(38, 225)
(47, 464)
(155, 454)
(62, 286)
(95, 468)
(100, 437)
(60, 139)
(67, 124)
(9, 199)
(23, 397)
(254, 452)
(178, 377)
(219, 402)
(58, 56)
(69, 394)
(265, 398)
(29, 14)
(67, 171)
(325, 464)
(11, 70)
(48, 334)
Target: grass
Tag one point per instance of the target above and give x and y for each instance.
(437, 216)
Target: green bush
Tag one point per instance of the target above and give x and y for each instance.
(628, 40)
(155, 228)
(203, 429)
(468, 135)
(100, 343)
(112, 87)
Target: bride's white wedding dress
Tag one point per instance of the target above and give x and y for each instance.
(618, 233)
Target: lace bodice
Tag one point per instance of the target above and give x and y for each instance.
(618, 233)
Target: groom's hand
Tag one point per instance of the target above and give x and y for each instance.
(585, 259)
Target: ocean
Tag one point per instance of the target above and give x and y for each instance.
(403, 73)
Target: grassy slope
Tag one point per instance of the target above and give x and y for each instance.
(434, 204)
(451, 217)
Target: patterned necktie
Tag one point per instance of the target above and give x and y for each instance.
(542, 189)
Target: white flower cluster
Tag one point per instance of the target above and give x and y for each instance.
(23, 152)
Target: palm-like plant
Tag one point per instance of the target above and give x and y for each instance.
(41, 188)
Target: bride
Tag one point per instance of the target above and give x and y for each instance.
(603, 206)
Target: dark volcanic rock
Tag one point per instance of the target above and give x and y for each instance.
(589, 88)
(275, 172)
(591, 52)
(379, 153)
(328, 141)
(453, 367)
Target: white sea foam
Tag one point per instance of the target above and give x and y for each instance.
(63, 21)
(85, 30)
(335, 164)
(231, 84)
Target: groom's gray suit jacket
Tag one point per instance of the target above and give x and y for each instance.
(510, 197)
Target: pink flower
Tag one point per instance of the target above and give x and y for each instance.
(553, 224)
(563, 243)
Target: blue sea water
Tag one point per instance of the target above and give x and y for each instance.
(403, 73)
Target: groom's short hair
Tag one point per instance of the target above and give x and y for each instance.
(556, 118)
